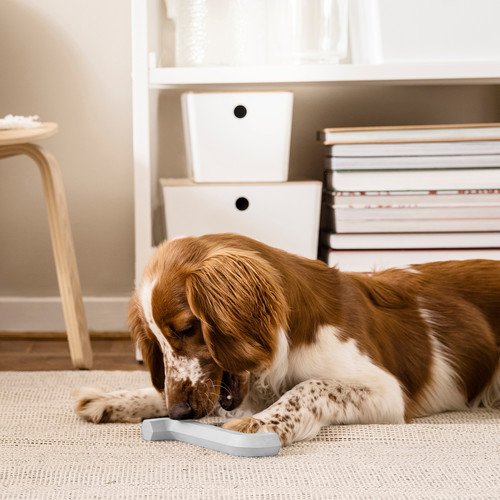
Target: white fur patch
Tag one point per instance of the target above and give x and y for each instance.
(408, 269)
(490, 397)
(442, 393)
(268, 385)
(332, 359)
(177, 368)
(145, 294)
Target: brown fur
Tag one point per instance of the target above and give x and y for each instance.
(235, 292)
(301, 345)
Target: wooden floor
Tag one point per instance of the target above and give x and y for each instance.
(49, 351)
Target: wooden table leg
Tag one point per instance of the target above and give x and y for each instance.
(64, 252)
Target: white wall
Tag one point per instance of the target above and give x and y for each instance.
(69, 62)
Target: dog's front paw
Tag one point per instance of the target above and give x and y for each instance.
(282, 427)
(93, 404)
(252, 425)
(249, 425)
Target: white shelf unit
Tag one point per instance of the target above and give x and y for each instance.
(148, 77)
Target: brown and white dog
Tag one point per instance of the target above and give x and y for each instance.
(226, 321)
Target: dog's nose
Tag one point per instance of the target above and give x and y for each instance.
(181, 411)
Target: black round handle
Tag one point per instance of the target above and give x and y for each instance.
(240, 111)
(242, 203)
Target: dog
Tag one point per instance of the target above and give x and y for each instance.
(286, 344)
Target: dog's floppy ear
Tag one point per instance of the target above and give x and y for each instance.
(151, 352)
(238, 297)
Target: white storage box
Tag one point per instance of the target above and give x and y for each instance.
(284, 215)
(384, 31)
(237, 136)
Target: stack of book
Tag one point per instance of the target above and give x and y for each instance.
(395, 196)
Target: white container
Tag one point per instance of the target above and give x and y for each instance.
(385, 31)
(283, 215)
(237, 136)
(319, 31)
(219, 32)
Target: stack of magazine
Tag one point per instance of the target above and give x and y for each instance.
(395, 196)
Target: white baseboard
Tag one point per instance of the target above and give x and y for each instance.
(44, 314)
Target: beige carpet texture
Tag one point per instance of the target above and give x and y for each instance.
(47, 452)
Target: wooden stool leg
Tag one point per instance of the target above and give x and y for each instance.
(64, 255)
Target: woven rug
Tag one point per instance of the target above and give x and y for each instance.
(47, 452)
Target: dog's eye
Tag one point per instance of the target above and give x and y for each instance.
(184, 332)
(180, 331)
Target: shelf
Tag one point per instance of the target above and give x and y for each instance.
(397, 73)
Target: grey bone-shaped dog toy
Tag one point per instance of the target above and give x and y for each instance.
(240, 444)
